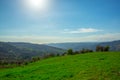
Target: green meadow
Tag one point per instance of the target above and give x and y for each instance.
(89, 66)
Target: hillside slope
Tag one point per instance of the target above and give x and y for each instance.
(114, 45)
(41, 48)
(9, 52)
(25, 51)
(91, 66)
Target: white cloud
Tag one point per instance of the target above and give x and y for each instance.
(59, 39)
(82, 30)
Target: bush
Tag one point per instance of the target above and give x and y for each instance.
(34, 59)
(58, 55)
(49, 55)
(85, 50)
(70, 52)
(106, 48)
(102, 48)
(76, 52)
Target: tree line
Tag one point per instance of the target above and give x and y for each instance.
(99, 48)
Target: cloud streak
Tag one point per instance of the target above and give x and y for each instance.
(82, 30)
(57, 39)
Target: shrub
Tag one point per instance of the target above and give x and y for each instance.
(76, 52)
(70, 52)
(49, 55)
(106, 48)
(34, 59)
(58, 55)
(102, 48)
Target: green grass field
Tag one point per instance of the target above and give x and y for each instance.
(91, 66)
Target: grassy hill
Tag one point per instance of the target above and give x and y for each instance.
(91, 66)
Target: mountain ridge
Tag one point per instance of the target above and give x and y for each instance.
(115, 45)
(25, 51)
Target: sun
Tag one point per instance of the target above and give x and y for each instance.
(37, 5)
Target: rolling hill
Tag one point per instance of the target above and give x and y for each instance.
(11, 51)
(114, 45)
(92, 66)
(25, 51)
(41, 48)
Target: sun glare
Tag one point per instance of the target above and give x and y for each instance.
(37, 4)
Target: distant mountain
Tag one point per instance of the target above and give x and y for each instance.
(114, 45)
(40, 48)
(25, 51)
(9, 52)
(75, 46)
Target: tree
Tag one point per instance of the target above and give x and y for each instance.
(76, 52)
(82, 51)
(106, 48)
(99, 48)
(70, 52)
(58, 55)
(34, 59)
(102, 48)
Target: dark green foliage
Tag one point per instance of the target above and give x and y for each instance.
(106, 48)
(34, 59)
(102, 48)
(85, 50)
(99, 48)
(4, 62)
(82, 51)
(49, 55)
(76, 52)
(58, 55)
(26, 63)
(70, 52)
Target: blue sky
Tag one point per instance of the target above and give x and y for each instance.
(60, 21)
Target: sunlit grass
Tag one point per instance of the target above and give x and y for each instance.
(91, 66)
